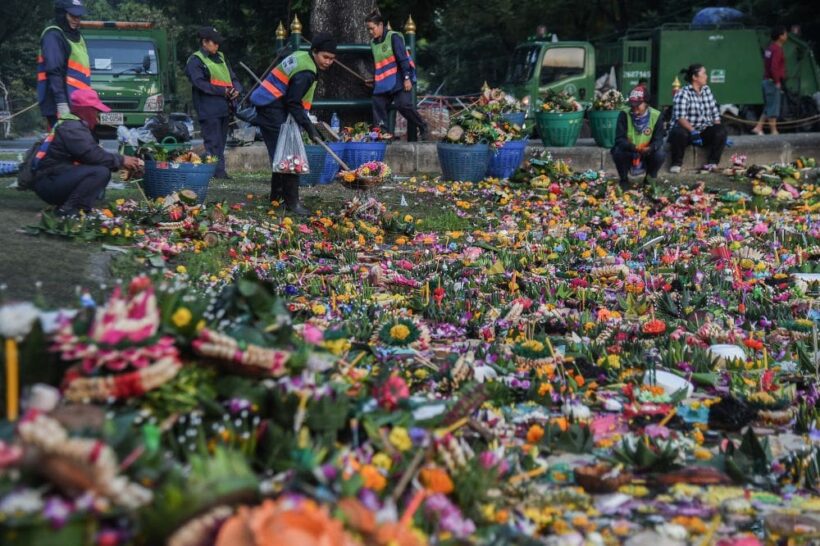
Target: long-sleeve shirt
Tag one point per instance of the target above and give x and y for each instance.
(275, 114)
(699, 109)
(55, 51)
(74, 142)
(402, 59)
(774, 63)
(209, 100)
(622, 142)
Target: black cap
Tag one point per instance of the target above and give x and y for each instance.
(210, 33)
(73, 7)
(323, 42)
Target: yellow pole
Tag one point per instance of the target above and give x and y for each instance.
(12, 380)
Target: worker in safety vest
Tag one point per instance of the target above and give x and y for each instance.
(639, 138)
(288, 90)
(214, 88)
(394, 76)
(70, 167)
(62, 65)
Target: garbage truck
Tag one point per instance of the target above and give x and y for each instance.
(732, 55)
(132, 69)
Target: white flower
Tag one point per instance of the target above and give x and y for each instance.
(484, 373)
(577, 411)
(26, 501)
(16, 319)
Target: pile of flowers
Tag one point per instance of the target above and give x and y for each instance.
(498, 101)
(363, 132)
(610, 100)
(563, 362)
(558, 101)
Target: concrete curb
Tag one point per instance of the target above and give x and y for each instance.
(420, 157)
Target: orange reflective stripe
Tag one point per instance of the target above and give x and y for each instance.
(281, 76)
(40, 155)
(220, 83)
(74, 82)
(40, 58)
(84, 70)
(41, 76)
(383, 62)
(272, 89)
(380, 77)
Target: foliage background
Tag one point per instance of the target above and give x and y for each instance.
(461, 43)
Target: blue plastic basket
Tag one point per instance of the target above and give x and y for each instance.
(316, 162)
(506, 160)
(331, 166)
(359, 153)
(164, 178)
(462, 162)
(515, 117)
(8, 167)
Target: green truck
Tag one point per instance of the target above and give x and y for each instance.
(732, 56)
(132, 69)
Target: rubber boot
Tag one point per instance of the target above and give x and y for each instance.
(276, 188)
(291, 191)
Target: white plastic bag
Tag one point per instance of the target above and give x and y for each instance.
(290, 156)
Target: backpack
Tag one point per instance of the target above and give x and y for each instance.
(25, 176)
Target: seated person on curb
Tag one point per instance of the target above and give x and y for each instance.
(71, 169)
(696, 120)
(639, 139)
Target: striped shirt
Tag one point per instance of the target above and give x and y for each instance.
(699, 109)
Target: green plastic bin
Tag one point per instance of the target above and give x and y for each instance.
(602, 124)
(560, 129)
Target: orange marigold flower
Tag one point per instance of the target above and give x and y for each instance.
(436, 480)
(534, 434)
(372, 478)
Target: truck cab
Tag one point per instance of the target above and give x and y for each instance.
(132, 69)
(538, 66)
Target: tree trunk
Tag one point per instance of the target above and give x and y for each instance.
(344, 20)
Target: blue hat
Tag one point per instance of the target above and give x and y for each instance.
(73, 7)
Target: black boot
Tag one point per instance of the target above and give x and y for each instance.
(276, 188)
(291, 192)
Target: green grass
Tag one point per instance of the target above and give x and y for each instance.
(447, 220)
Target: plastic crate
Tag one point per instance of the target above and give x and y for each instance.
(316, 162)
(505, 161)
(8, 168)
(464, 163)
(357, 154)
(331, 166)
(164, 178)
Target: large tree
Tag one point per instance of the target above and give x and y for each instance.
(344, 20)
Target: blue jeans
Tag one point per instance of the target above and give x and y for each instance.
(771, 98)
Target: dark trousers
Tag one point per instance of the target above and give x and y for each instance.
(76, 188)
(403, 102)
(714, 140)
(623, 161)
(215, 135)
(282, 186)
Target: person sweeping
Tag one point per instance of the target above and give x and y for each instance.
(288, 90)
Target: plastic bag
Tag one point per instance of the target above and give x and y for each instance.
(290, 156)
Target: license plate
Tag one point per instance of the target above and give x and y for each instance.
(111, 118)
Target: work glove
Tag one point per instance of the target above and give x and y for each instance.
(697, 140)
(63, 109)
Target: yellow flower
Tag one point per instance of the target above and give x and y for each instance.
(382, 460)
(533, 345)
(337, 346)
(400, 439)
(318, 309)
(408, 218)
(181, 317)
(399, 332)
(181, 269)
(702, 453)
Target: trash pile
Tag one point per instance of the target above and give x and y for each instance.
(580, 365)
